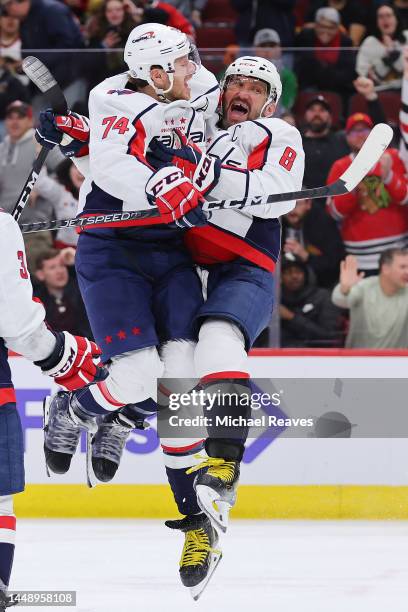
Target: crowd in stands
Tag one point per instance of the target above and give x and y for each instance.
(343, 65)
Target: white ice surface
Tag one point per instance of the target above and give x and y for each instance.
(281, 566)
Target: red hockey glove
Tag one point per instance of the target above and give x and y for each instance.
(74, 363)
(202, 170)
(178, 201)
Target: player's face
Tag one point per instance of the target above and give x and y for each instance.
(293, 278)
(53, 274)
(184, 70)
(243, 99)
(397, 271)
(17, 126)
(357, 136)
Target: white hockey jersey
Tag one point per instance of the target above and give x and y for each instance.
(22, 326)
(259, 157)
(123, 123)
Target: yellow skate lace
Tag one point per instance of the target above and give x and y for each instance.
(196, 548)
(219, 468)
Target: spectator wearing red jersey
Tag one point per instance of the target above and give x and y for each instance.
(373, 217)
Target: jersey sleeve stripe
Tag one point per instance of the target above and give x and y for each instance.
(257, 159)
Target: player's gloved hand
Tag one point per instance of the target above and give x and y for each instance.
(202, 170)
(178, 201)
(70, 131)
(75, 362)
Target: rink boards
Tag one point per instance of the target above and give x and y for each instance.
(281, 478)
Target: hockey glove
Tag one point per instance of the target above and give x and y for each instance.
(178, 201)
(70, 131)
(202, 170)
(74, 363)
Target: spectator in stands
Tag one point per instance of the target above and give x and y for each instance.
(379, 56)
(17, 153)
(231, 53)
(58, 290)
(11, 89)
(373, 217)
(312, 236)
(48, 24)
(109, 29)
(155, 11)
(10, 45)
(70, 179)
(191, 9)
(366, 88)
(308, 317)
(353, 16)
(328, 65)
(378, 305)
(253, 15)
(322, 146)
(267, 45)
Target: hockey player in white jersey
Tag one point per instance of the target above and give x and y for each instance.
(239, 250)
(71, 360)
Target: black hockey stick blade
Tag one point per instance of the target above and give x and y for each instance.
(43, 79)
(39, 74)
(375, 145)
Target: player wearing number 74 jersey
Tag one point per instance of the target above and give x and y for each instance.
(72, 361)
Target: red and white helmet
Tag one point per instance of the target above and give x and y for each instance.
(257, 68)
(154, 44)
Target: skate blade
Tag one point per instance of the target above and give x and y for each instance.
(46, 418)
(91, 479)
(215, 508)
(198, 590)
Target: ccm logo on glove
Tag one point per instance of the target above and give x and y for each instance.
(161, 186)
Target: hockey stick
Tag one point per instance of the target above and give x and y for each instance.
(371, 151)
(42, 77)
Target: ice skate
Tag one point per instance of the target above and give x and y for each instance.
(109, 442)
(216, 489)
(200, 556)
(63, 422)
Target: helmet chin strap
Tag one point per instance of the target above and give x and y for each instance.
(162, 92)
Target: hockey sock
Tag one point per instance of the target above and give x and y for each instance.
(229, 395)
(7, 538)
(140, 411)
(96, 399)
(177, 459)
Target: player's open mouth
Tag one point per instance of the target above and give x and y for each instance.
(239, 110)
